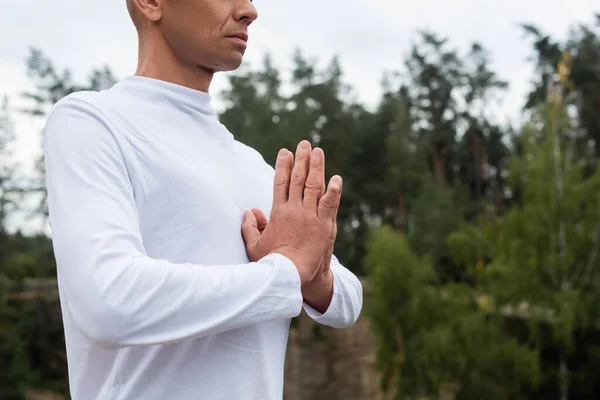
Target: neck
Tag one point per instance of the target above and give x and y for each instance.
(158, 61)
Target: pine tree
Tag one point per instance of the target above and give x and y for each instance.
(15, 373)
(546, 260)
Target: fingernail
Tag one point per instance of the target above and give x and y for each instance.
(304, 145)
(282, 153)
(316, 154)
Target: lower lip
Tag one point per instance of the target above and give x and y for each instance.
(239, 41)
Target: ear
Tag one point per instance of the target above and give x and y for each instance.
(149, 9)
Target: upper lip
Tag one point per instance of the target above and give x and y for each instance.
(241, 35)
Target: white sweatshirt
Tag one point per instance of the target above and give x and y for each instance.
(146, 193)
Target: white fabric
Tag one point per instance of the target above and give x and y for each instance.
(146, 193)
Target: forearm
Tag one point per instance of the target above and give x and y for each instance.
(138, 301)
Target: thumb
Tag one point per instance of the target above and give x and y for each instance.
(261, 220)
(250, 231)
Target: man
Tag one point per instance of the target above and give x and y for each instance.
(173, 283)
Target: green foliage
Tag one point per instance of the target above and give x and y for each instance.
(469, 249)
(393, 283)
(547, 248)
(16, 373)
(583, 92)
(436, 338)
(554, 235)
(503, 296)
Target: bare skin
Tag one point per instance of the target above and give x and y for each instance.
(301, 186)
(308, 172)
(186, 42)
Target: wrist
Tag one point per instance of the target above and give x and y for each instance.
(305, 279)
(318, 293)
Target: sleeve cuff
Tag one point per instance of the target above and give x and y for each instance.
(333, 314)
(289, 279)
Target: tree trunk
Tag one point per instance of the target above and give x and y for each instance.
(439, 168)
(499, 199)
(563, 378)
(401, 214)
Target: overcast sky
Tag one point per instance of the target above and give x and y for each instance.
(368, 36)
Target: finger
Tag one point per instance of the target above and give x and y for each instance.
(250, 231)
(337, 207)
(333, 235)
(315, 182)
(299, 172)
(327, 262)
(281, 182)
(261, 219)
(330, 200)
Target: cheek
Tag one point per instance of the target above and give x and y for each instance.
(214, 31)
(188, 36)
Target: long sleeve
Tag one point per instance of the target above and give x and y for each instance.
(347, 300)
(115, 294)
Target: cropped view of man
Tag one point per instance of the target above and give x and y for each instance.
(182, 255)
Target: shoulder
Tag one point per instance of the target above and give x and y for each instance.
(91, 108)
(90, 104)
(77, 122)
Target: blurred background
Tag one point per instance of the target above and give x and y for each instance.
(468, 135)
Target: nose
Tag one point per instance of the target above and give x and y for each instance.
(246, 12)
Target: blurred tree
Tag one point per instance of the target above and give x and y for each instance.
(6, 170)
(583, 92)
(547, 249)
(435, 78)
(481, 152)
(455, 133)
(15, 373)
(438, 341)
(531, 316)
(405, 169)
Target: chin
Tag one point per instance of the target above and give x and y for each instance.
(230, 63)
(229, 67)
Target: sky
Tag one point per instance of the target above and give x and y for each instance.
(369, 37)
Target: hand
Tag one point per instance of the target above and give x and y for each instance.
(323, 274)
(318, 293)
(301, 217)
(259, 222)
